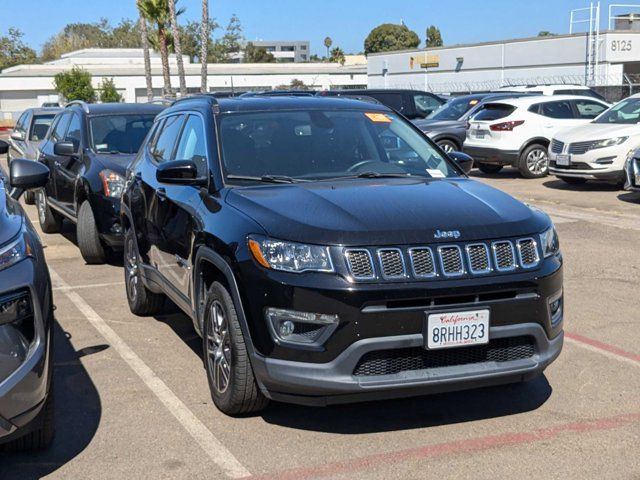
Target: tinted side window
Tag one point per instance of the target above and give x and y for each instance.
(61, 127)
(74, 132)
(494, 111)
(21, 123)
(588, 109)
(425, 104)
(192, 145)
(392, 100)
(163, 148)
(560, 110)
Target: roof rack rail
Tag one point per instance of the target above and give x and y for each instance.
(193, 96)
(161, 101)
(83, 104)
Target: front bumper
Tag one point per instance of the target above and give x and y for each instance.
(632, 171)
(493, 156)
(600, 164)
(106, 210)
(24, 386)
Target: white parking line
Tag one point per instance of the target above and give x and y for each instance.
(200, 433)
(91, 285)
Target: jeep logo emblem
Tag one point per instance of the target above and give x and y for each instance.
(447, 234)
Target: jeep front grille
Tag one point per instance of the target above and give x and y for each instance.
(444, 261)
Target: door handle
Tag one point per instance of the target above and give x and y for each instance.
(161, 193)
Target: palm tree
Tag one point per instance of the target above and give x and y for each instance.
(176, 46)
(204, 47)
(327, 43)
(145, 49)
(157, 11)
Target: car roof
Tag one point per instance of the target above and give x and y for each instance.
(113, 108)
(261, 103)
(44, 110)
(530, 100)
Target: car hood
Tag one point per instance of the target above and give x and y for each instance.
(11, 216)
(385, 211)
(118, 162)
(429, 125)
(597, 131)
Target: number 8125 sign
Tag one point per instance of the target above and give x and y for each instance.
(621, 45)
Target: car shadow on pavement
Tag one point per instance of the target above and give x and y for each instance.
(415, 412)
(505, 173)
(77, 408)
(593, 186)
(630, 197)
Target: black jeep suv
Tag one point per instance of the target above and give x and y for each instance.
(88, 149)
(26, 317)
(328, 252)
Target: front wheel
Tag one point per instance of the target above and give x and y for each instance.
(448, 146)
(233, 386)
(534, 162)
(29, 197)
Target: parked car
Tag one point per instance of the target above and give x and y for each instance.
(560, 89)
(447, 126)
(632, 171)
(26, 317)
(411, 103)
(518, 131)
(88, 149)
(30, 130)
(598, 150)
(328, 252)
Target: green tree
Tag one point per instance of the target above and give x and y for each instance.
(108, 91)
(337, 56)
(231, 41)
(74, 84)
(125, 35)
(388, 37)
(13, 51)
(253, 54)
(546, 33)
(434, 37)
(327, 43)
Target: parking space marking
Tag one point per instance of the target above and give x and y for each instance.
(198, 431)
(472, 445)
(90, 285)
(610, 351)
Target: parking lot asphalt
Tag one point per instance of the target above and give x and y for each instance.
(133, 402)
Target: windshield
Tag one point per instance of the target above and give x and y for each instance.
(627, 111)
(316, 145)
(119, 133)
(40, 126)
(454, 109)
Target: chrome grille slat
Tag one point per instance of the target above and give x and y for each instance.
(580, 148)
(557, 146)
(391, 263)
(478, 257)
(528, 252)
(360, 264)
(451, 260)
(422, 262)
(504, 256)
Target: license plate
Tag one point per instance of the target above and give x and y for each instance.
(479, 133)
(563, 160)
(456, 329)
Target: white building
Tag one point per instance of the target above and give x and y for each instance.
(26, 86)
(600, 60)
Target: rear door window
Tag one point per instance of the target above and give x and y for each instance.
(392, 100)
(40, 126)
(558, 110)
(588, 109)
(425, 104)
(494, 111)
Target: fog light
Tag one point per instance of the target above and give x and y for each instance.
(556, 309)
(14, 307)
(300, 328)
(116, 228)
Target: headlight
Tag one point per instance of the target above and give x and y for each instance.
(550, 242)
(14, 252)
(112, 183)
(610, 142)
(289, 256)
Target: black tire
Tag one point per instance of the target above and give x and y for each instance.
(573, 180)
(534, 161)
(489, 168)
(40, 438)
(142, 301)
(50, 221)
(29, 197)
(225, 345)
(89, 242)
(448, 146)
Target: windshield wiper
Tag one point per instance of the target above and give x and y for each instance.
(381, 175)
(266, 178)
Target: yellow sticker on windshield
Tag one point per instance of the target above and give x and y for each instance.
(378, 117)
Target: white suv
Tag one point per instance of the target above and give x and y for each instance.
(518, 131)
(598, 150)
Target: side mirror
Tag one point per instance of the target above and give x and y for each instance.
(464, 161)
(180, 172)
(64, 149)
(4, 147)
(17, 135)
(26, 175)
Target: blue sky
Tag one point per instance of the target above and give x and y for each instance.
(346, 22)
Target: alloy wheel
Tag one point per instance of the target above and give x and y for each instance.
(446, 147)
(537, 161)
(131, 268)
(42, 206)
(218, 345)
